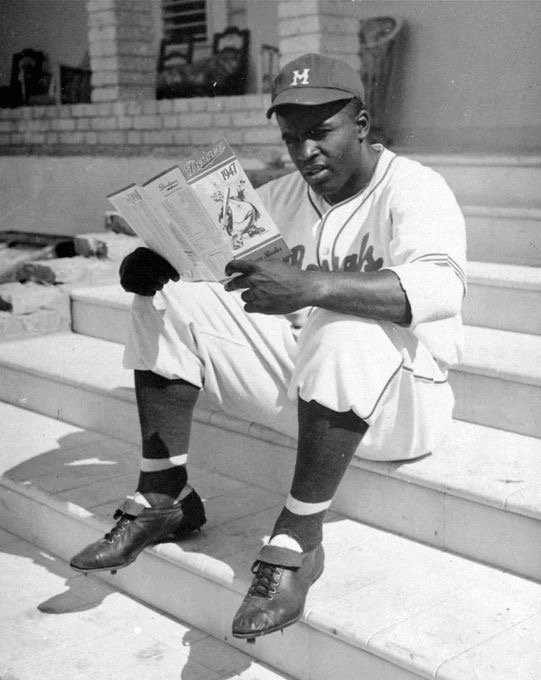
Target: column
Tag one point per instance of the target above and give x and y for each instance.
(325, 26)
(122, 52)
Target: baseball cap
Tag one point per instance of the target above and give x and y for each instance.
(314, 79)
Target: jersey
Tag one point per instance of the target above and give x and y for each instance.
(406, 220)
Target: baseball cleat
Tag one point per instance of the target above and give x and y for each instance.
(278, 591)
(138, 527)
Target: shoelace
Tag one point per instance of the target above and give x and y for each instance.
(119, 527)
(265, 580)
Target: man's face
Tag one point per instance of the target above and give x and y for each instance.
(324, 143)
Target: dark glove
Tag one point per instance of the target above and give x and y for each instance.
(144, 272)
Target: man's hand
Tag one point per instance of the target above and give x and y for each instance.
(144, 272)
(270, 287)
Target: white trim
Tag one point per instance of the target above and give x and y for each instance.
(158, 464)
(301, 508)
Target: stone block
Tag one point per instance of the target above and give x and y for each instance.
(63, 125)
(261, 135)
(105, 123)
(165, 105)
(182, 137)
(107, 93)
(68, 270)
(12, 258)
(148, 122)
(105, 245)
(221, 120)
(116, 223)
(24, 298)
(71, 137)
(195, 120)
(135, 138)
(289, 10)
(171, 121)
(40, 322)
(205, 137)
(245, 119)
(158, 137)
(112, 137)
(300, 26)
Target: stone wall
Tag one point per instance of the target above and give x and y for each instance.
(126, 128)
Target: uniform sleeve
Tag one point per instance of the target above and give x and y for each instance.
(428, 247)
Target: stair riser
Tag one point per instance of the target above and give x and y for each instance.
(204, 603)
(505, 240)
(498, 403)
(511, 309)
(72, 404)
(492, 184)
(364, 495)
(102, 322)
(433, 516)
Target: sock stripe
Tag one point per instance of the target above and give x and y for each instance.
(302, 508)
(158, 464)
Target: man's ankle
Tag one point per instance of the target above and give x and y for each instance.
(157, 499)
(286, 541)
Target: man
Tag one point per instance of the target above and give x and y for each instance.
(347, 345)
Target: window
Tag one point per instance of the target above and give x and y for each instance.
(187, 18)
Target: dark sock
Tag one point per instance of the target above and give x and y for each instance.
(165, 415)
(326, 444)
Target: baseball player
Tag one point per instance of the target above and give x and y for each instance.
(345, 346)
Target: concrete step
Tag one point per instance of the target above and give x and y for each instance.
(503, 296)
(490, 180)
(500, 296)
(67, 625)
(504, 367)
(479, 491)
(510, 235)
(499, 381)
(386, 608)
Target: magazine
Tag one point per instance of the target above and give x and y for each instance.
(201, 215)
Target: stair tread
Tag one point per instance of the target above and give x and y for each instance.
(95, 636)
(507, 354)
(492, 466)
(509, 211)
(429, 615)
(504, 275)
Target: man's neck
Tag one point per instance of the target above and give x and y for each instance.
(369, 159)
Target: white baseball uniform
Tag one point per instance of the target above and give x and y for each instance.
(394, 377)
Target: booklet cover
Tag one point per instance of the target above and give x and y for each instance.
(202, 215)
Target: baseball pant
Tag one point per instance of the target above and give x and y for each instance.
(254, 366)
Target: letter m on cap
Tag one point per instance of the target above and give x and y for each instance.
(300, 77)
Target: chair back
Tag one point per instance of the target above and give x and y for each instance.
(230, 48)
(75, 86)
(377, 42)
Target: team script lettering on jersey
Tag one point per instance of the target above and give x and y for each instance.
(363, 261)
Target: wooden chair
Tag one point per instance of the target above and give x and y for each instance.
(176, 53)
(29, 77)
(270, 57)
(75, 87)
(230, 51)
(378, 39)
(222, 73)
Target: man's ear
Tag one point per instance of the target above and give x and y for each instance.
(362, 121)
